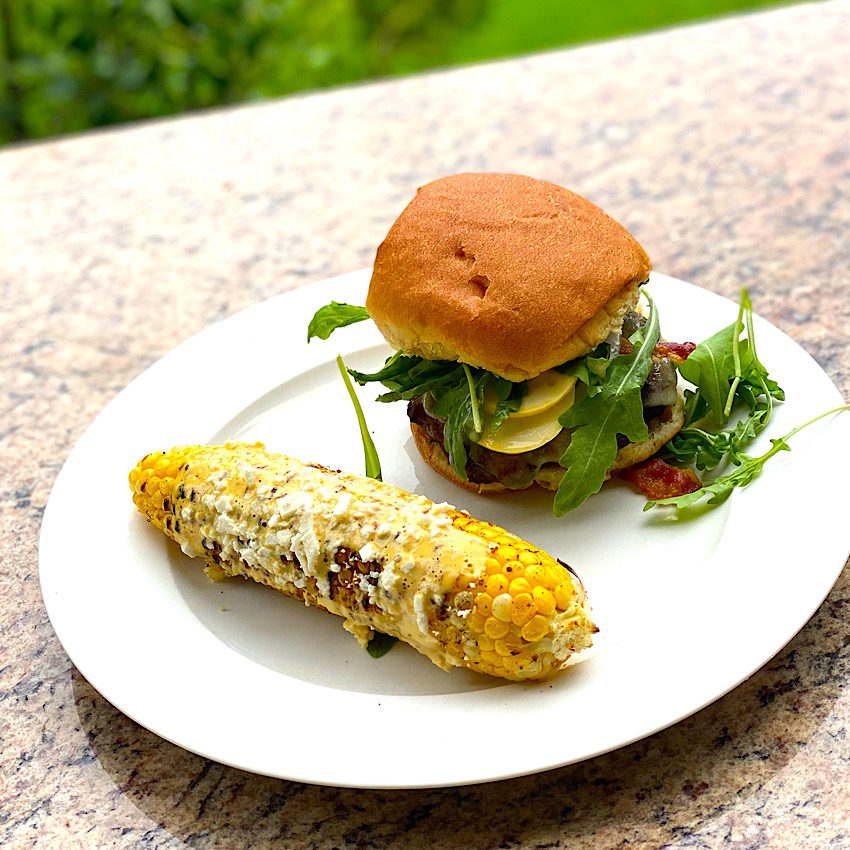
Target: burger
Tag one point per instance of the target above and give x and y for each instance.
(523, 348)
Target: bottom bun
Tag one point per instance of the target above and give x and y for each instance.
(661, 431)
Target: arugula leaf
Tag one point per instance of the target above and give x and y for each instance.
(590, 369)
(332, 316)
(719, 489)
(380, 644)
(509, 397)
(456, 407)
(711, 368)
(616, 408)
(373, 463)
(727, 373)
(408, 377)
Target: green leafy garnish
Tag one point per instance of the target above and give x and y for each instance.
(590, 369)
(728, 375)
(615, 408)
(380, 644)
(332, 316)
(456, 406)
(408, 377)
(509, 397)
(373, 464)
(719, 489)
(458, 393)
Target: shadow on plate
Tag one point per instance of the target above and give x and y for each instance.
(673, 786)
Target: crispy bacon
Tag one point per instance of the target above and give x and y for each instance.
(677, 351)
(657, 479)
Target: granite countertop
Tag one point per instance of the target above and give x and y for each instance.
(724, 147)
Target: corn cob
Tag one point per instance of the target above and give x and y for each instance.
(464, 593)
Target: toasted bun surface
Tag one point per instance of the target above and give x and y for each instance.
(549, 475)
(504, 272)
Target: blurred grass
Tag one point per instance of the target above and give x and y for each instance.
(514, 27)
(67, 66)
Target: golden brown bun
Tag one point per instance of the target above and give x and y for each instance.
(504, 272)
(550, 474)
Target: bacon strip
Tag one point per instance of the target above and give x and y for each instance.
(657, 479)
(677, 351)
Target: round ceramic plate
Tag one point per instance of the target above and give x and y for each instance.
(240, 674)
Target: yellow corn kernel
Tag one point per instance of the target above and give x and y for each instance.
(134, 476)
(535, 628)
(519, 585)
(496, 629)
(476, 622)
(564, 595)
(502, 607)
(160, 468)
(491, 658)
(166, 487)
(515, 663)
(539, 574)
(502, 647)
(484, 604)
(485, 643)
(506, 553)
(557, 574)
(544, 600)
(523, 609)
(492, 567)
(496, 585)
(513, 569)
(527, 559)
(153, 485)
(144, 476)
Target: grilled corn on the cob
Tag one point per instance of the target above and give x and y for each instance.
(464, 593)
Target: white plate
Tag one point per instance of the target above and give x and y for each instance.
(250, 678)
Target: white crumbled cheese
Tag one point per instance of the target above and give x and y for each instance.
(217, 480)
(187, 514)
(249, 472)
(224, 504)
(342, 508)
(368, 553)
(225, 525)
(369, 589)
(383, 530)
(408, 567)
(419, 610)
(296, 512)
(186, 548)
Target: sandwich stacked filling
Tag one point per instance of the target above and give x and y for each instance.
(515, 467)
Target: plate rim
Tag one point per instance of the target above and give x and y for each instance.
(148, 379)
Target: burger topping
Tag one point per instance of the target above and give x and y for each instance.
(522, 434)
(624, 383)
(542, 393)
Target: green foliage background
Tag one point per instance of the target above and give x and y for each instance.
(67, 66)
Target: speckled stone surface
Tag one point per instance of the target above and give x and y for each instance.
(725, 148)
